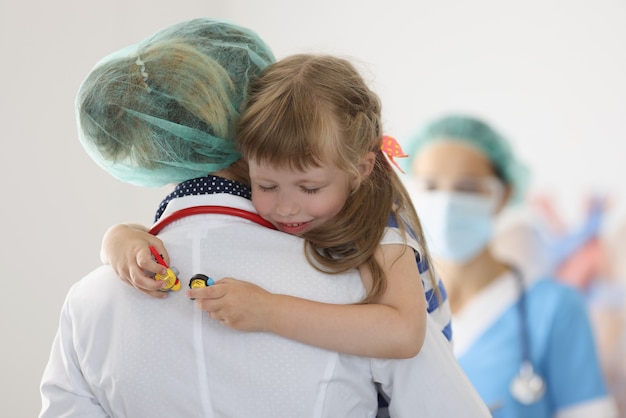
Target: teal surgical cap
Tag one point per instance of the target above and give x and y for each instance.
(480, 135)
(166, 109)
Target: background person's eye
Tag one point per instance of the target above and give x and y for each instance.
(430, 185)
(425, 184)
(469, 186)
(482, 185)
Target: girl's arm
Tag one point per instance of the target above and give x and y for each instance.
(393, 327)
(126, 247)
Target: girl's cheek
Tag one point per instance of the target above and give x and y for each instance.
(261, 205)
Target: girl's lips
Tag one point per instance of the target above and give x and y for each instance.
(293, 228)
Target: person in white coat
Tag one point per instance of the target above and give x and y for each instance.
(119, 352)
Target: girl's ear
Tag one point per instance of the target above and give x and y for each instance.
(367, 165)
(365, 169)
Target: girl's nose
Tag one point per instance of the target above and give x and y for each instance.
(286, 206)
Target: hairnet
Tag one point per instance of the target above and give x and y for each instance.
(165, 110)
(481, 136)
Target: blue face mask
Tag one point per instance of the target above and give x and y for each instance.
(457, 226)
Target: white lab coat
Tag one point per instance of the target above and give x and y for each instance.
(120, 353)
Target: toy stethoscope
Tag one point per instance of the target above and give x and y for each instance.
(198, 280)
(528, 386)
(197, 210)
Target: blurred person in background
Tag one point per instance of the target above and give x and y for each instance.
(526, 343)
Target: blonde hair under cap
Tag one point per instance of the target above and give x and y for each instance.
(165, 110)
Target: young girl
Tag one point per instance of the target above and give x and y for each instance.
(311, 133)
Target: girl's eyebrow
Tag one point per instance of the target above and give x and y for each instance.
(313, 180)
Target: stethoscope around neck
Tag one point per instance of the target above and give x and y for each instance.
(527, 387)
(208, 209)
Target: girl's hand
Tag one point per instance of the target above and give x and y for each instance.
(236, 304)
(126, 247)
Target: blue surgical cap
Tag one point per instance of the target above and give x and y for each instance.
(480, 135)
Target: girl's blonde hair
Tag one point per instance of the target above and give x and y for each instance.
(306, 109)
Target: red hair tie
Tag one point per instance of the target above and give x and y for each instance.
(392, 148)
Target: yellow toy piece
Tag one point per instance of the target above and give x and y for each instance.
(196, 283)
(171, 281)
(200, 280)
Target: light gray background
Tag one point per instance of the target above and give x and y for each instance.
(550, 74)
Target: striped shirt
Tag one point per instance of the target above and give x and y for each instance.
(438, 308)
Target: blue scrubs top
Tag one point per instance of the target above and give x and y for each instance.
(562, 351)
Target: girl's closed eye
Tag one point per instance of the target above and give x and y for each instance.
(263, 188)
(310, 190)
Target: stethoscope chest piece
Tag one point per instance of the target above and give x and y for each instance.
(527, 387)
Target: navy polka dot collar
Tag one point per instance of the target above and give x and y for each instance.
(204, 185)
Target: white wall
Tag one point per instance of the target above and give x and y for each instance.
(550, 74)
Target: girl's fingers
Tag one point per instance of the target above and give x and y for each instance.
(216, 291)
(158, 245)
(147, 263)
(143, 282)
(149, 286)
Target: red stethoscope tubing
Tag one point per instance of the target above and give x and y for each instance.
(198, 210)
